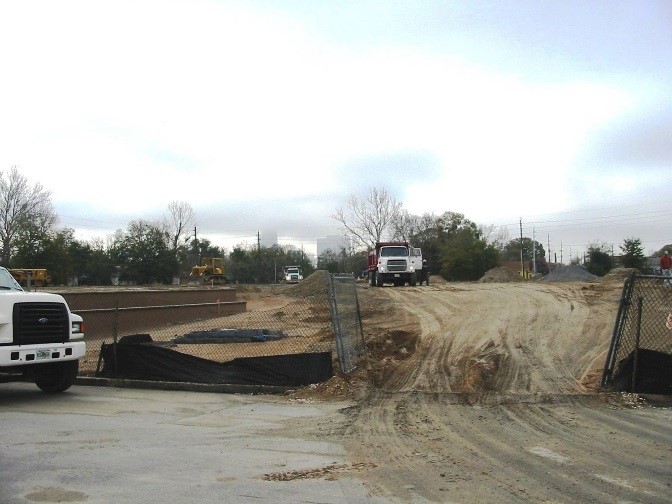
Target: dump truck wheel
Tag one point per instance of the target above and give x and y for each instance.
(57, 377)
(379, 280)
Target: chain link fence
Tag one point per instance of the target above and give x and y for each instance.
(346, 321)
(640, 354)
(261, 331)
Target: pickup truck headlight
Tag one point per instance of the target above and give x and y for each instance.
(77, 327)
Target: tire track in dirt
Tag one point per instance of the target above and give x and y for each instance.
(438, 432)
(519, 345)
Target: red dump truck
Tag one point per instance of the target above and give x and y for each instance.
(394, 262)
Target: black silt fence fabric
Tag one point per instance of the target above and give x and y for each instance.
(643, 329)
(654, 373)
(145, 361)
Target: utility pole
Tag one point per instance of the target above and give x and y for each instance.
(259, 256)
(522, 263)
(549, 248)
(198, 259)
(534, 251)
(560, 252)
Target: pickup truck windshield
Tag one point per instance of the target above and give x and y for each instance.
(393, 252)
(7, 281)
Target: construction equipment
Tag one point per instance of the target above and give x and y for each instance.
(31, 276)
(394, 262)
(292, 274)
(211, 271)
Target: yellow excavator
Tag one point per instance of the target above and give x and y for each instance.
(210, 271)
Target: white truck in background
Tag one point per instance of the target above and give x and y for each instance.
(41, 341)
(394, 262)
(292, 274)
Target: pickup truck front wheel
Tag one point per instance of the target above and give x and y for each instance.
(57, 377)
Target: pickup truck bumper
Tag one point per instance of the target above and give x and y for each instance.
(21, 355)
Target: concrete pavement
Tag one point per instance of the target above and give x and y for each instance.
(104, 445)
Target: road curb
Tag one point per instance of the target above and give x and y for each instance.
(221, 388)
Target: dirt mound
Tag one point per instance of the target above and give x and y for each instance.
(437, 280)
(571, 273)
(313, 285)
(619, 274)
(500, 274)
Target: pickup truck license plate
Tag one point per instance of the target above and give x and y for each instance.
(397, 275)
(42, 354)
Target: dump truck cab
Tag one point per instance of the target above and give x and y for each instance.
(394, 262)
(292, 274)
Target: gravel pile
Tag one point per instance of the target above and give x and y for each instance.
(571, 273)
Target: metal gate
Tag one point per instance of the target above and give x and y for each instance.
(346, 320)
(640, 355)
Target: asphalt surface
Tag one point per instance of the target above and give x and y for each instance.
(104, 444)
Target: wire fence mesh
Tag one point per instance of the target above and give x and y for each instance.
(226, 323)
(346, 321)
(640, 354)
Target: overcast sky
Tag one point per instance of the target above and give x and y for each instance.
(267, 115)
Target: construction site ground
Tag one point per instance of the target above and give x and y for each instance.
(489, 392)
(470, 392)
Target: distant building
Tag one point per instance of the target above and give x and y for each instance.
(268, 238)
(335, 243)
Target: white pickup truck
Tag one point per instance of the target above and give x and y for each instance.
(40, 339)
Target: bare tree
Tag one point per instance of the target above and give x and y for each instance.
(22, 207)
(498, 237)
(405, 225)
(180, 223)
(365, 220)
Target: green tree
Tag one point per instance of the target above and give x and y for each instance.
(330, 261)
(463, 252)
(249, 264)
(94, 261)
(205, 248)
(599, 260)
(511, 251)
(145, 255)
(425, 235)
(39, 248)
(633, 254)
(240, 264)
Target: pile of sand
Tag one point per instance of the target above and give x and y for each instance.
(315, 285)
(500, 274)
(571, 273)
(619, 274)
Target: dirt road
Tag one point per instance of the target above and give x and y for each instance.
(488, 393)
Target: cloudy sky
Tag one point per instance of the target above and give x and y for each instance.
(267, 115)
